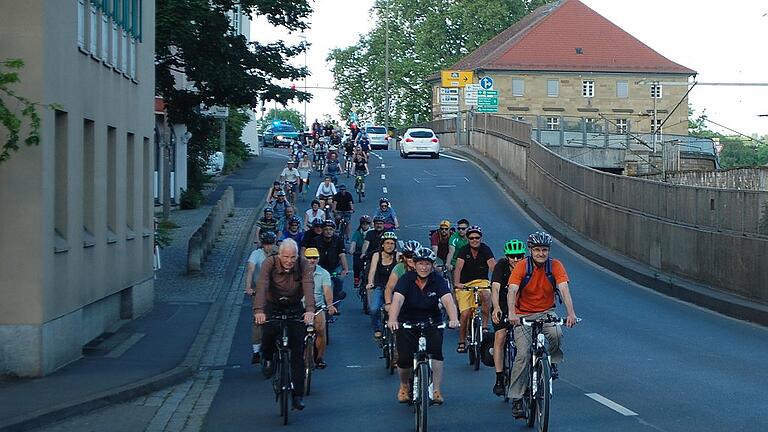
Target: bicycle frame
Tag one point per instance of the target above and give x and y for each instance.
(475, 333)
(282, 382)
(421, 376)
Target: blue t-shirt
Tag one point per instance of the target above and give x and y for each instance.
(298, 237)
(421, 305)
(389, 215)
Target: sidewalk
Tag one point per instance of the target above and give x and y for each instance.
(165, 346)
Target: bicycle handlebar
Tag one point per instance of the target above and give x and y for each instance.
(548, 320)
(424, 325)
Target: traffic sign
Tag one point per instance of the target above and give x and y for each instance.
(482, 93)
(492, 100)
(488, 109)
(449, 91)
(449, 108)
(454, 78)
(486, 83)
(449, 99)
(470, 94)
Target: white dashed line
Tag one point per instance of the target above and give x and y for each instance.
(466, 179)
(611, 404)
(384, 189)
(383, 166)
(383, 177)
(375, 154)
(445, 186)
(416, 180)
(429, 173)
(453, 157)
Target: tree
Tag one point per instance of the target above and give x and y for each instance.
(425, 36)
(11, 119)
(290, 115)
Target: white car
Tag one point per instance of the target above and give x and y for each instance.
(420, 141)
(377, 135)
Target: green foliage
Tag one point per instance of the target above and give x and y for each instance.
(15, 109)
(739, 152)
(191, 199)
(237, 151)
(290, 115)
(425, 36)
(163, 233)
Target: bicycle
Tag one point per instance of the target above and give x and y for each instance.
(387, 344)
(348, 163)
(475, 332)
(508, 359)
(536, 400)
(282, 384)
(309, 350)
(360, 187)
(362, 291)
(342, 222)
(421, 378)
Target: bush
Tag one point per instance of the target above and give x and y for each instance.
(163, 233)
(191, 199)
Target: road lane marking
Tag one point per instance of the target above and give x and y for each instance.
(354, 366)
(125, 346)
(416, 180)
(466, 179)
(383, 166)
(611, 404)
(453, 157)
(429, 173)
(383, 177)
(384, 189)
(376, 154)
(445, 186)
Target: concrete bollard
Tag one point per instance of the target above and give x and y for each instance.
(203, 241)
(194, 254)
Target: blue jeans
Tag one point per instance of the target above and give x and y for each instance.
(377, 301)
(338, 289)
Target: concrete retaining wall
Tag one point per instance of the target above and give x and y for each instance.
(202, 241)
(755, 179)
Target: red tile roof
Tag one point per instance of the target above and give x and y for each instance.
(547, 39)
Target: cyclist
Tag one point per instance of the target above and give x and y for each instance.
(333, 167)
(536, 299)
(315, 212)
(416, 298)
(293, 231)
(382, 263)
(349, 151)
(333, 255)
(272, 192)
(278, 207)
(439, 240)
(372, 239)
(473, 261)
(255, 259)
(343, 206)
(364, 142)
(323, 298)
(386, 212)
(360, 168)
(291, 176)
(457, 241)
(305, 169)
(283, 281)
(325, 191)
(514, 251)
(405, 265)
(356, 244)
(266, 223)
(290, 212)
(321, 151)
(309, 236)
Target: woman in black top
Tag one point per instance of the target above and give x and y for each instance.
(382, 264)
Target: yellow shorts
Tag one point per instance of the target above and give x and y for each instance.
(465, 299)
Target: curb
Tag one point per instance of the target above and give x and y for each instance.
(186, 369)
(674, 286)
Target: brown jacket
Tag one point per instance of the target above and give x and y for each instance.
(275, 282)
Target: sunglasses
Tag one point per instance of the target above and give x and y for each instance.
(474, 238)
(313, 258)
(444, 229)
(516, 257)
(463, 228)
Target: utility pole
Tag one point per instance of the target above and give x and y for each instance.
(166, 146)
(304, 44)
(386, 65)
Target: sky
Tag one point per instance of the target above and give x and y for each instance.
(723, 42)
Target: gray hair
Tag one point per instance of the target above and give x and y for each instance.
(289, 244)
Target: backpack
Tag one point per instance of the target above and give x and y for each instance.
(547, 271)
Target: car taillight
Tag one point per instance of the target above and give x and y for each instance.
(408, 140)
(434, 139)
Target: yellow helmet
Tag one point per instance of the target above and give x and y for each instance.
(312, 253)
(445, 224)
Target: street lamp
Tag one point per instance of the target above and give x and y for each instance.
(304, 44)
(386, 65)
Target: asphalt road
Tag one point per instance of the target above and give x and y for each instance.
(669, 365)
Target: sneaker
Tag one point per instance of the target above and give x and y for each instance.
(517, 408)
(402, 394)
(553, 372)
(256, 358)
(321, 364)
(298, 403)
(498, 388)
(437, 398)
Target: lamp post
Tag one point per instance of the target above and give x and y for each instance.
(304, 44)
(386, 64)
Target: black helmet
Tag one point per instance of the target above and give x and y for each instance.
(329, 223)
(365, 219)
(294, 220)
(539, 238)
(268, 210)
(342, 187)
(267, 237)
(424, 254)
(317, 222)
(383, 200)
(378, 218)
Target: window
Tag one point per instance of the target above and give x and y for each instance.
(592, 125)
(104, 37)
(132, 59)
(655, 91)
(115, 44)
(130, 183)
(236, 20)
(588, 88)
(124, 51)
(518, 87)
(656, 126)
(622, 126)
(553, 88)
(61, 172)
(622, 89)
(422, 134)
(112, 179)
(146, 187)
(81, 24)
(89, 175)
(553, 123)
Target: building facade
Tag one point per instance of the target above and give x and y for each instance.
(76, 223)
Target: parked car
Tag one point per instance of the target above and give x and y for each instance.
(279, 134)
(378, 137)
(420, 141)
(215, 164)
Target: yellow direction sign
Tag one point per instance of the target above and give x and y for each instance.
(452, 78)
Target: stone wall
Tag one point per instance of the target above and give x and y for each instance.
(755, 179)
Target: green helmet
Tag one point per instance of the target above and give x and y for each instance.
(389, 235)
(514, 247)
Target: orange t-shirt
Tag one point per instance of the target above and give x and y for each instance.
(538, 295)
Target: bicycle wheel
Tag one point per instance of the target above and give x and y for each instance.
(309, 362)
(509, 360)
(478, 336)
(287, 387)
(543, 394)
(276, 375)
(422, 402)
(327, 332)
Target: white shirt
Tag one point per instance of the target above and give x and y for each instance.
(310, 215)
(290, 175)
(322, 189)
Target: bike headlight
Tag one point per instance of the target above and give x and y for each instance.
(422, 343)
